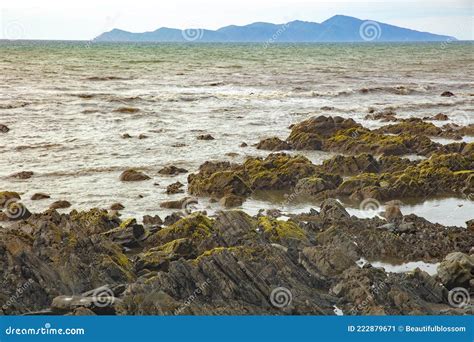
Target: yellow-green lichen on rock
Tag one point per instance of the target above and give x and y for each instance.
(196, 227)
(280, 231)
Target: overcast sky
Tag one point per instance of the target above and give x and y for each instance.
(86, 19)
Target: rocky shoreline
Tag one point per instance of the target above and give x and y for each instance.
(192, 262)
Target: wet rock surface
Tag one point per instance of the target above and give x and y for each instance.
(97, 263)
(336, 134)
(91, 262)
(132, 175)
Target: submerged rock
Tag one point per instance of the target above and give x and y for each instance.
(4, 128)
(39, 196)
(205, 137)
(22, 175)
(175, 188)
(172, 170)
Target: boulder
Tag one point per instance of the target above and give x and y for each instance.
(60, 205)
(175, 188)
(273, 144)
(231, 201)
(4, 128)
(132, 175)
(39, 196)
(152, 220)
(440, 117)
(331, 209)
(456, 270)
(117, 206)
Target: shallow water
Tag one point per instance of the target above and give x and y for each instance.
(68, 104)
(430, 268)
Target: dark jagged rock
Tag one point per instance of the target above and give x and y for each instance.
(4, 128)
(351, 165)
(152, 220)
(276, 172)
(229, 264)
(273, 144)
(128, 234)
(309, 134)
(55, 255)
(447, 94)
(456, 270)
(333, 210)
(366, 291)
(175, 188)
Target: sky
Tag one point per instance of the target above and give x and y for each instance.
(86, 19)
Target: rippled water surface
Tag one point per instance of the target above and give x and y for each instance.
(68, 105)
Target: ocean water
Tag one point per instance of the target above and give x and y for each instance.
(69, 103)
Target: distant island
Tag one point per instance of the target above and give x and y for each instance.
(338, 28)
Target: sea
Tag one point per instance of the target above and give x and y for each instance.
(69, 104)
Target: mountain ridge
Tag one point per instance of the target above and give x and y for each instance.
(338, 28)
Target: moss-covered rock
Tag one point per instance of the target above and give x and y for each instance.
(278, 171)
(273, 144)
(361, 140)
(412, 126)
(282, 231)
(309, 134)
(196, 227)
(350, 165)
